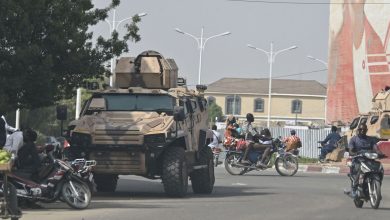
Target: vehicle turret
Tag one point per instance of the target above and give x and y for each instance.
(148, 70)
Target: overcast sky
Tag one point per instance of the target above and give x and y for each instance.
(259, 24)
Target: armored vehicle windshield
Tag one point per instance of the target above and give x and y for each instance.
(131, 102)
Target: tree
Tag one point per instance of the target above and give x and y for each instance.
(214, 111)
(46, 51)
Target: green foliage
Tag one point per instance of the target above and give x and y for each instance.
(307, 160)
(46, 51)
(214, 111)
(44, 119)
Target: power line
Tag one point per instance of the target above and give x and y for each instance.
(310, 3)
(301, 73)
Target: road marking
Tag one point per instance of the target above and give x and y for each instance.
(239, 184)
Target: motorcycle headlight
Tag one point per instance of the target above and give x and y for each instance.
(371, 155)
(81, 139)
(154, 139)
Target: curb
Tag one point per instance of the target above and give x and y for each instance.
(325, 169)
(331, 169)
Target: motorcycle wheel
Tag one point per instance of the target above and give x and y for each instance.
(231, 161)
(375, 193)
(286, 165)
(358, 203)
(77, 202)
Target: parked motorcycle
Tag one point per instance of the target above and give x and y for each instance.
(370, 176)
(286, 164)
(56, 180)
(83, 168)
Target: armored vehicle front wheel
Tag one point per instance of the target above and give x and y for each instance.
(174, 175)
(105, 182)
(203, 179)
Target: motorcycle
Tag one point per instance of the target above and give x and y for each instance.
(83, 168)
(370, 176)
(56, 180)
(286, 163)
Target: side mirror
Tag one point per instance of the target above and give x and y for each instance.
(178, 113)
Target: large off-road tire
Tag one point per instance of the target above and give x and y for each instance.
(203, 179)
(174, 173)
(105, 182)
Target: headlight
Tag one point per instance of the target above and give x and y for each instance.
(80, 139)
(371, 155)
(154, 139)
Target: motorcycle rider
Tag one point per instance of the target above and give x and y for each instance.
(332, 140)
(360, 142)
(250, 135)
(292, 142)
(28, 158)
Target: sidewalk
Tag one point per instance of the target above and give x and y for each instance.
(336, 167)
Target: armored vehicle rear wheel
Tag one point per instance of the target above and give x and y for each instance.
(105, 182)
(203, 179)
(174, 175)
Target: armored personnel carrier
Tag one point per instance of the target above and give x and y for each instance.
(149, 125)
(377, 121)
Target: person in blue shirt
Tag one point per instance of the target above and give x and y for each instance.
(360, 142)
(329, 143)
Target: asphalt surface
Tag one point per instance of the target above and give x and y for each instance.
(257, 195)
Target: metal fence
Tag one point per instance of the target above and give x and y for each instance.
(309, 138)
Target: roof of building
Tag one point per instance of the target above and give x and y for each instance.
(260, 86)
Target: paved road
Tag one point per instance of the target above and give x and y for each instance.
(261, 195)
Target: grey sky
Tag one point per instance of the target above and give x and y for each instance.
(305, 26)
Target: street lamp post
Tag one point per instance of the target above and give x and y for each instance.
(113, 26)
(201, 45)
(271, 59)
(326, 66)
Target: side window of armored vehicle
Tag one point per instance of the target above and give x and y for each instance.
(183, 103)
(189, 106)
(354, 123)
(363, 120)
(374, 119)
(194, 105)
(200, 103)
(385, 122)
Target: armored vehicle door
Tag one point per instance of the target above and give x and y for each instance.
(188, 123)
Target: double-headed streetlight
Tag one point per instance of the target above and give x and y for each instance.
(201, 45)
(113, 26)
(326, 66)
(271, 59)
